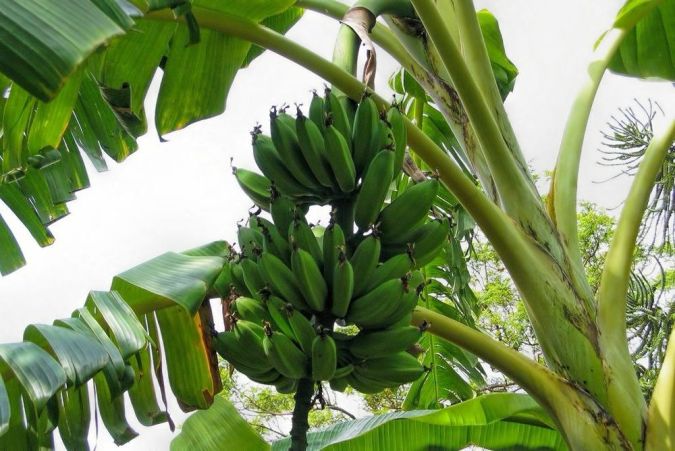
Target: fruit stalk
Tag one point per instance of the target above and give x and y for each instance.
(300, 421)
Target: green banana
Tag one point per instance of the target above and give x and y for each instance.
(371, 344)
(398, 368)
(228, 346)
(273, 242)
(342, 371)
(281, 280)
(364, 261)
(374, 189)
(251, 309)
(250, 336)
(366, 126)
(340, 159)
(238, 280)
(284, 355)
(223, 284)
(270, 377)
(270, 163)
(365, 385)
(337, 113)
(429, 241)
(406, 304)
(252, 278)
(339, 384)
(282, 209)
(286, 142)
(408, 211)
(302, 236)
(400, 136)
(277, 309)
(324, 357)
(256, 186)
(333, 238)
(316, 111)
(302, 328)
(286, 385)
(313, 149)
(394, 268)
(310, 280)
(343, 286)
(372, 310)
(250, 241)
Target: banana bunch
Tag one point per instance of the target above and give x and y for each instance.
(291, 283)
(322, 157)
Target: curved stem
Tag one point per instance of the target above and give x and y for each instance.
(527, 373)
(303, 404)
(661, 418)
(478, 60)
(582, 422)
(616, 272)
(625, 397)
(514, 187)
(562, 203)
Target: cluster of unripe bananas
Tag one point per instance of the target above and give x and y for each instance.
(291, 284)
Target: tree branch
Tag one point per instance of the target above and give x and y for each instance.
(341, 410)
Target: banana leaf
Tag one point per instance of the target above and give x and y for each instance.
(499, 421)
(44, 380)
(232, 431)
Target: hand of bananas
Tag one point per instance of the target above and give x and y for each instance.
(291, 286)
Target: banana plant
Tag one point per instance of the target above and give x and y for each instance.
(83, 88)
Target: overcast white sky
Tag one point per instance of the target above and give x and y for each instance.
(180, 194)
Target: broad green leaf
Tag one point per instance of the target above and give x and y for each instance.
(95, 116)
(634, 10)
(16, 116)
(35, 188)
(127, 331)
(119, 11)
(200, 433)
(255, 10)
(168, 280)
(42, 42)
(50, 119)
(280, 23)
(111, 409)
(4, 408)
(80, 357)
(189, 358)
(441, 384)
(187, 95)
(495, 421)
(86, 323)
(214, 249)
(16, 436)
(72, 159)
(158, 365)
(504, 70)
(142, 393)
(74, 417)
(38, 373)
(133, 59)
(648, 51)
(11, 257)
